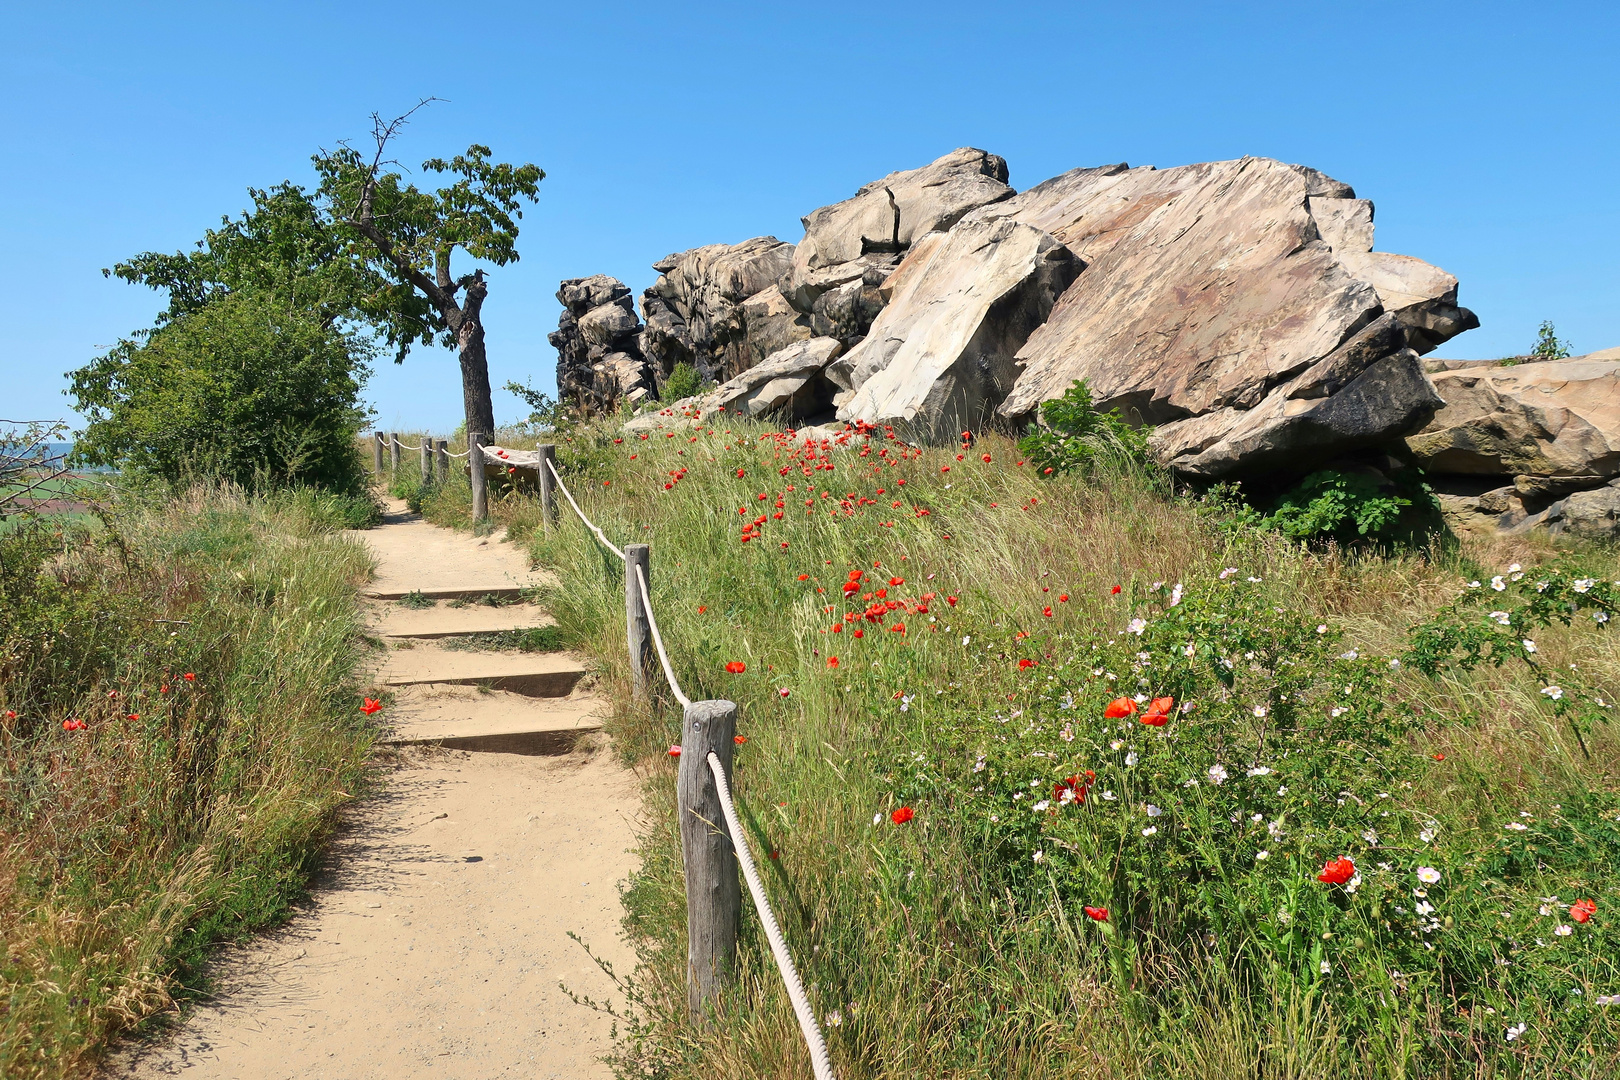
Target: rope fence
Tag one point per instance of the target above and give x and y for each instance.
(713, 905)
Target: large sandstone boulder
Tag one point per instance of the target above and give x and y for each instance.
(789, 385)
(1556, 419)
(940, 356)
(1208, 290)
(599, 359)
(884, 217)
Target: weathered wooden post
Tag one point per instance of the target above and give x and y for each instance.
(376, 453)
(713, 894)
(427, 461)
(443, 455)
(643, 665)
(475, 473)
(393, 452)
(548, 485)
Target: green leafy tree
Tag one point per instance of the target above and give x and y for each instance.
(246, 387)
(410, 237)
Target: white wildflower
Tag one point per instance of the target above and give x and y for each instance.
(1517, 826)
(1131, 759)
(1175, 595)
(1042, 805)
(1259, 770)
(1039, 855)
(1554, 692)
(1498, 584)
(1217, 774)
(1261, 856)
(1228, 572)
(1150, 830)
(1501, 617)
(1515, 1031)
(1153, 811)
(1428, 875)
(1563, 930)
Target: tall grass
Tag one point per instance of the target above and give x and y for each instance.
(208, 646)
(926, 954)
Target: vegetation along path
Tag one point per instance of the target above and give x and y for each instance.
(436, 942)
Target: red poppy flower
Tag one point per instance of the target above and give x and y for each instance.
(902, 815)
(1439, 757)
(370, 705)
(1025, 664)
(1100, 914)
(674, 751)
(736, 667)
(860, 633)
(897, 581)
(832, 661)
(1114, 591)
(189, 677)
(898, 628)
(1337, 871)
(740, 474)
(986, 459)
(1583, 910)
(1120, 708)
(1047, 611)
(702, 608)
(804, 577)
(1047, 471)
(783, 691)
(739, 739)
(1158, 713)
(1063, 598)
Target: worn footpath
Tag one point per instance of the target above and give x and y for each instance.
(437, 941)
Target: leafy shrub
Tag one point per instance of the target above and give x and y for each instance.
(1077, 437)
(1547, 346)
(1347, 507)
(243, 389)
(683, 382)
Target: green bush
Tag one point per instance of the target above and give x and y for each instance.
(683, 382)
(1348, 508)
(1075, 436)
(244, 389)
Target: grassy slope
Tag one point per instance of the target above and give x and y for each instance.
(925, 949)
(191, 807)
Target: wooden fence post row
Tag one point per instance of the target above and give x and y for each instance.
(427, 461)
(713, 891)
(377, 452)
(548, 485)
(475, 473)
(393, 451)
(643, 665)
(443, 456)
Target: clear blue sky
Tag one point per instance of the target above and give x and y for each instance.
(1486, 133)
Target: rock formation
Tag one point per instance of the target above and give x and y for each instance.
(1526, 445)
(599, 359)
(1237, 306)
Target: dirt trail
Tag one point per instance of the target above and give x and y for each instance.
(435, 943)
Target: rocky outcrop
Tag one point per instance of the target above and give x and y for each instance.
(1208, 291)
(940, 356)
(1526, 446)
(1236, 306)
(599, 359)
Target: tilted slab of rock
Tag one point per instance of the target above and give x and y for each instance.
(1551, 419)
(940, 356)
(599, 360)
(891, 213)
(789, 385)
(1208, 289)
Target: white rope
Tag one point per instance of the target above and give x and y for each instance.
(784, 962)
(663, 657)
(449, 454)
(599, 534)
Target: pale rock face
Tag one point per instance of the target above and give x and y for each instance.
(787, 385)
(1554, 418)
(940, 356)
(599, 360)
(925, 200)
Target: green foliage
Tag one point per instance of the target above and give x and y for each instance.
(287, 246)
(1346, 507)
(243, 388)
(1204, 836)
(1547, 346)
(1075, 436)
(545, 413)
(186, 808)
(683, 382)
(1464, 636)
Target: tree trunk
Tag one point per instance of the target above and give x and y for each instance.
(475, 392)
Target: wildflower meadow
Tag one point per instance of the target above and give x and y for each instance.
(1062, 774)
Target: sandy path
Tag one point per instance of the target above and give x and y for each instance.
(435, 943)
